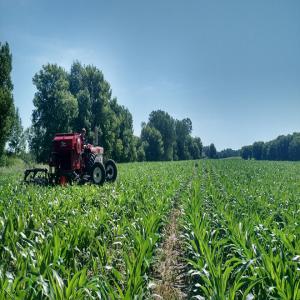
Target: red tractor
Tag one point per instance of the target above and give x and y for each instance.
(73, 161)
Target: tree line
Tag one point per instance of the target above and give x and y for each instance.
(11, 130)
(284, 147)
(82, 98)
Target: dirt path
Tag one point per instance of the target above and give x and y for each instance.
(170, 269)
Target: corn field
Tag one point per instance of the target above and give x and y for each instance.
(239, 225)
(242, 231)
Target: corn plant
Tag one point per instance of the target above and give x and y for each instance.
(241, 227)
(85, 242)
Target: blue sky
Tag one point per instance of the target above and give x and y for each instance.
(232, 67)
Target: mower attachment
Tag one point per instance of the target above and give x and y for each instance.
(37, 176)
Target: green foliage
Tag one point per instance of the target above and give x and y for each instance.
(55, 109)
(6, 97)
(165, 124)
(246, 152)
(66, 102)
(12, 162)
(226, 153)
(140, 149)
(210, 151)
(194, 146)
(80, 99)
(294, 147)
(257, 150)
(282, 148)
(183, 131)
(17, 138)
(153, 143)
(84, 112)
(94, 106)
(123, 128)
(178, 144)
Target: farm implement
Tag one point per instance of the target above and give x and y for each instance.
(71, 160)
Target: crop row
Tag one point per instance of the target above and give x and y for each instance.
(240, 225)
(80, 242)
(242, 231)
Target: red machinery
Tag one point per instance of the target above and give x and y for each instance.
(71, 161)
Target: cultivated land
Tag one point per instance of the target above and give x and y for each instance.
(223, 229)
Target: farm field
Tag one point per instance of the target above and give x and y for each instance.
(238, 225)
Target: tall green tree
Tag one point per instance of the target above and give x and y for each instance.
(212, 151)
(176, 136)
(194, 147)
(17, 140)
(122, 127)
(246, 152)
(6, 96)
(100, 114)
(294, 147)
(229, 153)
(84, 112)
(165, 124)
(199, 144)
(77, 77)
(257, 150)
(55, 108)
(154, 146)
(140, 149)
(183, 129)
(283, 143)
(272, 150)
(87, 96)
(80, 91)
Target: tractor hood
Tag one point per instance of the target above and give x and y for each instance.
(66, 142)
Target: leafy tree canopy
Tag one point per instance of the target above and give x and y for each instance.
(66, 102)
(6, 97)
(17, 140)
(284, 147)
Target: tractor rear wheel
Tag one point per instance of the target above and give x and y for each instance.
(111, 170)
(97, 173)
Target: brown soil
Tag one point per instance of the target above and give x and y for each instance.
(169, 269)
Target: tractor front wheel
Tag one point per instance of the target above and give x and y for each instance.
(111, 170)
(98, 173)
